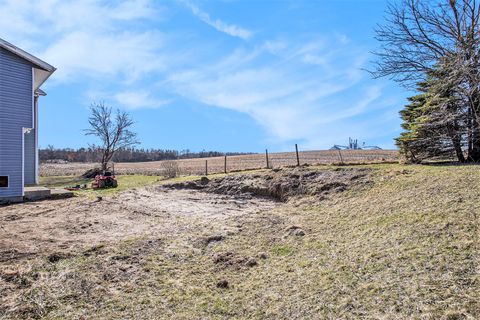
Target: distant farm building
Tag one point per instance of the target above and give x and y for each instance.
(353, 145)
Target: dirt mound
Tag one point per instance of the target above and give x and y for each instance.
(232, 260)
(91, 173)
(281, 184)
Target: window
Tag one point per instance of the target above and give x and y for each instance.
(3, 181)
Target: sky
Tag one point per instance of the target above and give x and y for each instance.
(216, 75)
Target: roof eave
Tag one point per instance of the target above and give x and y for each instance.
(27, 56)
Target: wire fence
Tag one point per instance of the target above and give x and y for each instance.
(202, 166)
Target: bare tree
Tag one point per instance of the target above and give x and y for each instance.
(113, 132)
(170, 168)
(51, 152)
(421, 36)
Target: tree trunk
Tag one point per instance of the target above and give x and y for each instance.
(474, 152)
(455, 136)
(459, 151)
(104, 166)
(105, 160)
(457, 145)
(474, 143)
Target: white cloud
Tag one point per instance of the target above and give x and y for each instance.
(85, 37)
(314, 59)
(139, 99)
(230, 29)
(304, 92)
(302, 88)
(44, 17)
(81, 54)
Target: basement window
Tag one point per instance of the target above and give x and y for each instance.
(3, 181)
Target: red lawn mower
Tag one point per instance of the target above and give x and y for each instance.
(105, 180)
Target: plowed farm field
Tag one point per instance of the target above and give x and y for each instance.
(234, 163)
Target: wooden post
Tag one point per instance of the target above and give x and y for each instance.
(340, 154)
(225, 164)
(298, 159)
(206, 167)
(266, 156)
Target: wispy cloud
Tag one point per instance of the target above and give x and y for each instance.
(230, 29)
(303, 91)
(139, 99)
(85, 38)
(128, 55)
(309, 88)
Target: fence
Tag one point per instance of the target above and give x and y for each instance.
(274, 160)
(200, 166)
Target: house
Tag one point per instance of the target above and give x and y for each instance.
(21, 76)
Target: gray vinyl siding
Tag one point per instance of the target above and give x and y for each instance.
(15, 114)
(29, 158)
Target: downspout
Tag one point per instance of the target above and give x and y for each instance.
(35, 114)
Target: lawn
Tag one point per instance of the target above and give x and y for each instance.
(125, 182)
(404, 245)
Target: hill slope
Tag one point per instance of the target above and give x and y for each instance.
(401, 243)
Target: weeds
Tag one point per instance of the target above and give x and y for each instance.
(402, 247)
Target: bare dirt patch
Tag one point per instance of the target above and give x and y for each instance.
(63, 232)
(174, 220)
(280, 184)
(50, 227)
(67, 225)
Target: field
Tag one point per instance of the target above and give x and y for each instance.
(383, 241)
(234, 163)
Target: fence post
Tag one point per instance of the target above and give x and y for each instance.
(296, 151)
(266, 156)
(206, 167)
(225, 164)
(340, 154)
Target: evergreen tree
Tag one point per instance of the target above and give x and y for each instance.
(408, 139)
(434, 122)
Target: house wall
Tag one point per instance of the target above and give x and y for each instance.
(16, 98)
(29, 174)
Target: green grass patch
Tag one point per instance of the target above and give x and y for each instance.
(282, 250)
(125, 182)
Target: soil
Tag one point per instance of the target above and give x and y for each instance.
(68, 225)
(91, 173)
(280, 184)
(342, 243)
(175, 220)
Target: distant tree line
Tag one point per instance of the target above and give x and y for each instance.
(95, 153)
(434, 47)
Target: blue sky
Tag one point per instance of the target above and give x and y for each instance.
(217, 75)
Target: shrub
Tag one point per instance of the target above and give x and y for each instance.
(170, 168)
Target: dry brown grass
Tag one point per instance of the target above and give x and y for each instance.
(234, 163)
(405, 246)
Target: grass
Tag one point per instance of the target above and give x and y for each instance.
(125, 182)
(405, 246)
(282, 250)
(63, 181)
